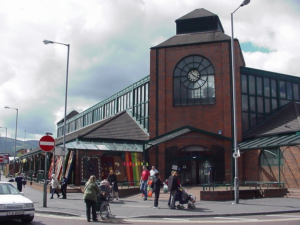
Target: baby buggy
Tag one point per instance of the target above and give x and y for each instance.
(102, 206)
(107, 190)
(185, 198)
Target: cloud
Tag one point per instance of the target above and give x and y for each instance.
(110, 43)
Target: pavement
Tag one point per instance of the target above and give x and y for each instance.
(135, 207)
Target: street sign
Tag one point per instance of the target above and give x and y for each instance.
(47, 143)
(1, 158)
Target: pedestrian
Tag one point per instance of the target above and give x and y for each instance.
(19, 180)
(153, 171)
(54, 185)
(112, 179)
(173, 185)
(64, 183)
(144, 182)
(156, 188)
(91, 190)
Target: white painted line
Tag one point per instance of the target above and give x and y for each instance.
(232, 218)
(175, 219)
(285, 216)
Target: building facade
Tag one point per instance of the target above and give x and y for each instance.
(182, 115)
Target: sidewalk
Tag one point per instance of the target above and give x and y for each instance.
(134, 206)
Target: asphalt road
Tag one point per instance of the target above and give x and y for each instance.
(280, 219)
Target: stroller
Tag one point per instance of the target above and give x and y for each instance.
(185, 198)
(107, 189)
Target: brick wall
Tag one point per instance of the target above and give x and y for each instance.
(164, 117)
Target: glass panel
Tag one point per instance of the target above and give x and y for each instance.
(284, 102)
(252, 120)
(146, 92)
(252, 104)
(282, 89)
(267, 105)
(245, 102)
(143, 93)
(260, 105)
(273, 88)
(289, 89)
(146, 109)
(274, 104)
(245, 121)
(244, 84)
(259, 89)
(296, 91)
(267, 87)
(252, 85)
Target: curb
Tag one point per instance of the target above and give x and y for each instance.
(57, 213)
(174, 216)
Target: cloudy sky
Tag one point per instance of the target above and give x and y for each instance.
(109, 49)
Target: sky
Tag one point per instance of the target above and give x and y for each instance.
(110, 43)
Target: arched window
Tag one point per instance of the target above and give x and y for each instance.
(270, 157)
(194, 81)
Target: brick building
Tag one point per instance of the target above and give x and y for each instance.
(181, 114)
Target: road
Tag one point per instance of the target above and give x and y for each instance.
(280, 219)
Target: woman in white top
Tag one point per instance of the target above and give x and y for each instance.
(55, 185)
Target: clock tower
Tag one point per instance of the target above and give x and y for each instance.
(190, 90)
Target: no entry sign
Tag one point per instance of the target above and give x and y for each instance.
(47, 143)
(1, 158)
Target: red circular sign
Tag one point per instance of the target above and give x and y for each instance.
(47, 143)
(1, 158)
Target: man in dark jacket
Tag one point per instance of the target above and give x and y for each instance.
(19, 180)
(63, 188)
(173, 184)
(156, 188)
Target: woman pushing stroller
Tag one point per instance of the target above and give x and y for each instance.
(173, 185)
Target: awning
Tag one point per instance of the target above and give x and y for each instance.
(104, 146)
(178, 132)
(271, 142)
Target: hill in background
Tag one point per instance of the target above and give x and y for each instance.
(10, 145)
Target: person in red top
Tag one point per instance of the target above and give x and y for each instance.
(144, 182)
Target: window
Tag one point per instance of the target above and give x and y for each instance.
(194, 82)
(269, 157)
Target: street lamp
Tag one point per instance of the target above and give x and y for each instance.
(236, 151)
(66, 98)
(15, 138)
(5, 136)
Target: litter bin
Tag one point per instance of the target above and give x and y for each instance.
(40, 175)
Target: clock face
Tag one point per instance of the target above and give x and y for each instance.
(193, 75)
(193, 71)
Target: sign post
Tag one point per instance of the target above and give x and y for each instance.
(46, 143)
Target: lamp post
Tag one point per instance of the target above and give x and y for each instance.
(235, 147)
(66, 98)
(5, 137)
(15, 138)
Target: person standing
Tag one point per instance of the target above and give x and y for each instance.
(112, 179)
(144, 180)
(19, 180)
(54, 185)
(64, 183)
(173, 184)
(91, 190)
(156, 188)
(153, 171)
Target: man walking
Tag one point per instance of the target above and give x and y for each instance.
(144, 182)
(19, 180)
(63, 188)
(153, 171)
